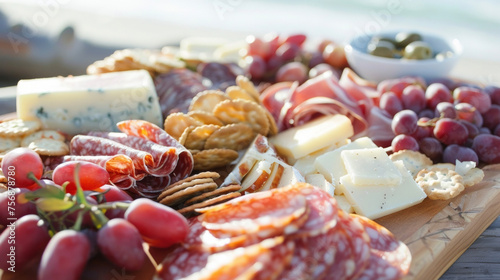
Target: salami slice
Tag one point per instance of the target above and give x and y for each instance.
(163, 157)
(266, 214)
(152, 132)
(240, 263)
(221, 75)
(389, 257)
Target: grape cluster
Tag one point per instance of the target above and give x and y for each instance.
(445, 120)
(275, 58)
(71, 222)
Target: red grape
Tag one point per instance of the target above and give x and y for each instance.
(467, 112)
(494, 93)
(398, 85)
(484, 130)
(121, 243)
(274, 63)
(437, 93)
(450, 131)
(29, 236)
(404, 122)
(11, 198)
(472, 130)
(422, 130)
(497, 130)
(426, 113)
(322, 45)
(390, 102)
(474, 96)
(492, 117)
(16, 165)
(487, 147)
(288, 51)
(315, 60)
(404, 142)
(114, 193)
(431, 147)
(91, 175)
(335, 56)
(159, 225)
(256, 66)
(454, 152)
(292, 71)
(65, 256)
(413, 98)
(446, 110)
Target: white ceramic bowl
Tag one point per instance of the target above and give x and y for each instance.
(375, 68)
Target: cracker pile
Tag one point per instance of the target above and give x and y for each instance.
(155, 62)
(219, 124)
(441, 181)
(16, 133)
(196, 192)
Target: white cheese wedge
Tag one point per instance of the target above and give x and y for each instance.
(368, 167)
(90, 102)
(306, 164)
(378, 201)
(343, 203)
(320, 182)
(322, 132)
(331, 165)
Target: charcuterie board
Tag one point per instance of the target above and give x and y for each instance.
(437, 232)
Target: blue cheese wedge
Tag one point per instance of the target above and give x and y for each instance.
(86, 103)
(368, 167)
(380, 200)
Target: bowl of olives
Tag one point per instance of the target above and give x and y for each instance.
(389, 55)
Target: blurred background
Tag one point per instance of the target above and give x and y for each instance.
(43, 38)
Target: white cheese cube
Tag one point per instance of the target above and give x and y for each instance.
(90, 102)
(344, 204)
(368, 167)
(331, 166)
(378, 201)
(320, 182)
(315, 135)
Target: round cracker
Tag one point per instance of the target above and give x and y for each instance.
(8, 143)
(41, 134)
(243, 111)
(213, 158)
(184, 194)
(190, 211)
(473, 176)
(235, 92)
(413, 161)
(212, 194)
(237, 136)
(196, 139)
(205, 117)
(49, 147)
(18, 128)
(176, 123)
(206, 100)
(184, 185)
(247, 85)
(440, 183)
(273, 127)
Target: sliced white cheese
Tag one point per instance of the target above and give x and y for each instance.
(368, 167)
(86, 103)
(322, 132)
(320, 182)
(331, 166)
(290, 176)
(306, 164)
(378, 201)
(462, 167)
(343, 203)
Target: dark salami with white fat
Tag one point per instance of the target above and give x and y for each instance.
(222, 75)
(146, 130)
(389, 258)
(176, 89)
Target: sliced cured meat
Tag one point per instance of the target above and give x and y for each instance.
(389, 257)
(176, 88)
(164, 157)
(241, 263)
(221, 75)
(152, 132)
(266, 214)
(314, 255)
(83, 145)
(359, 243)
(379, 129)
(150, 186)
(363, 91)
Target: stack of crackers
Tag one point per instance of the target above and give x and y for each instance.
(441, 181)
(196, 192)
(219, 124)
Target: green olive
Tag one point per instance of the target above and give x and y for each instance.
(443, 55)
(376, 39)
(381, 48)
(403, 39)
(417, 50)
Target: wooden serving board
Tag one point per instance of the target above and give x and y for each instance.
(437, 232)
